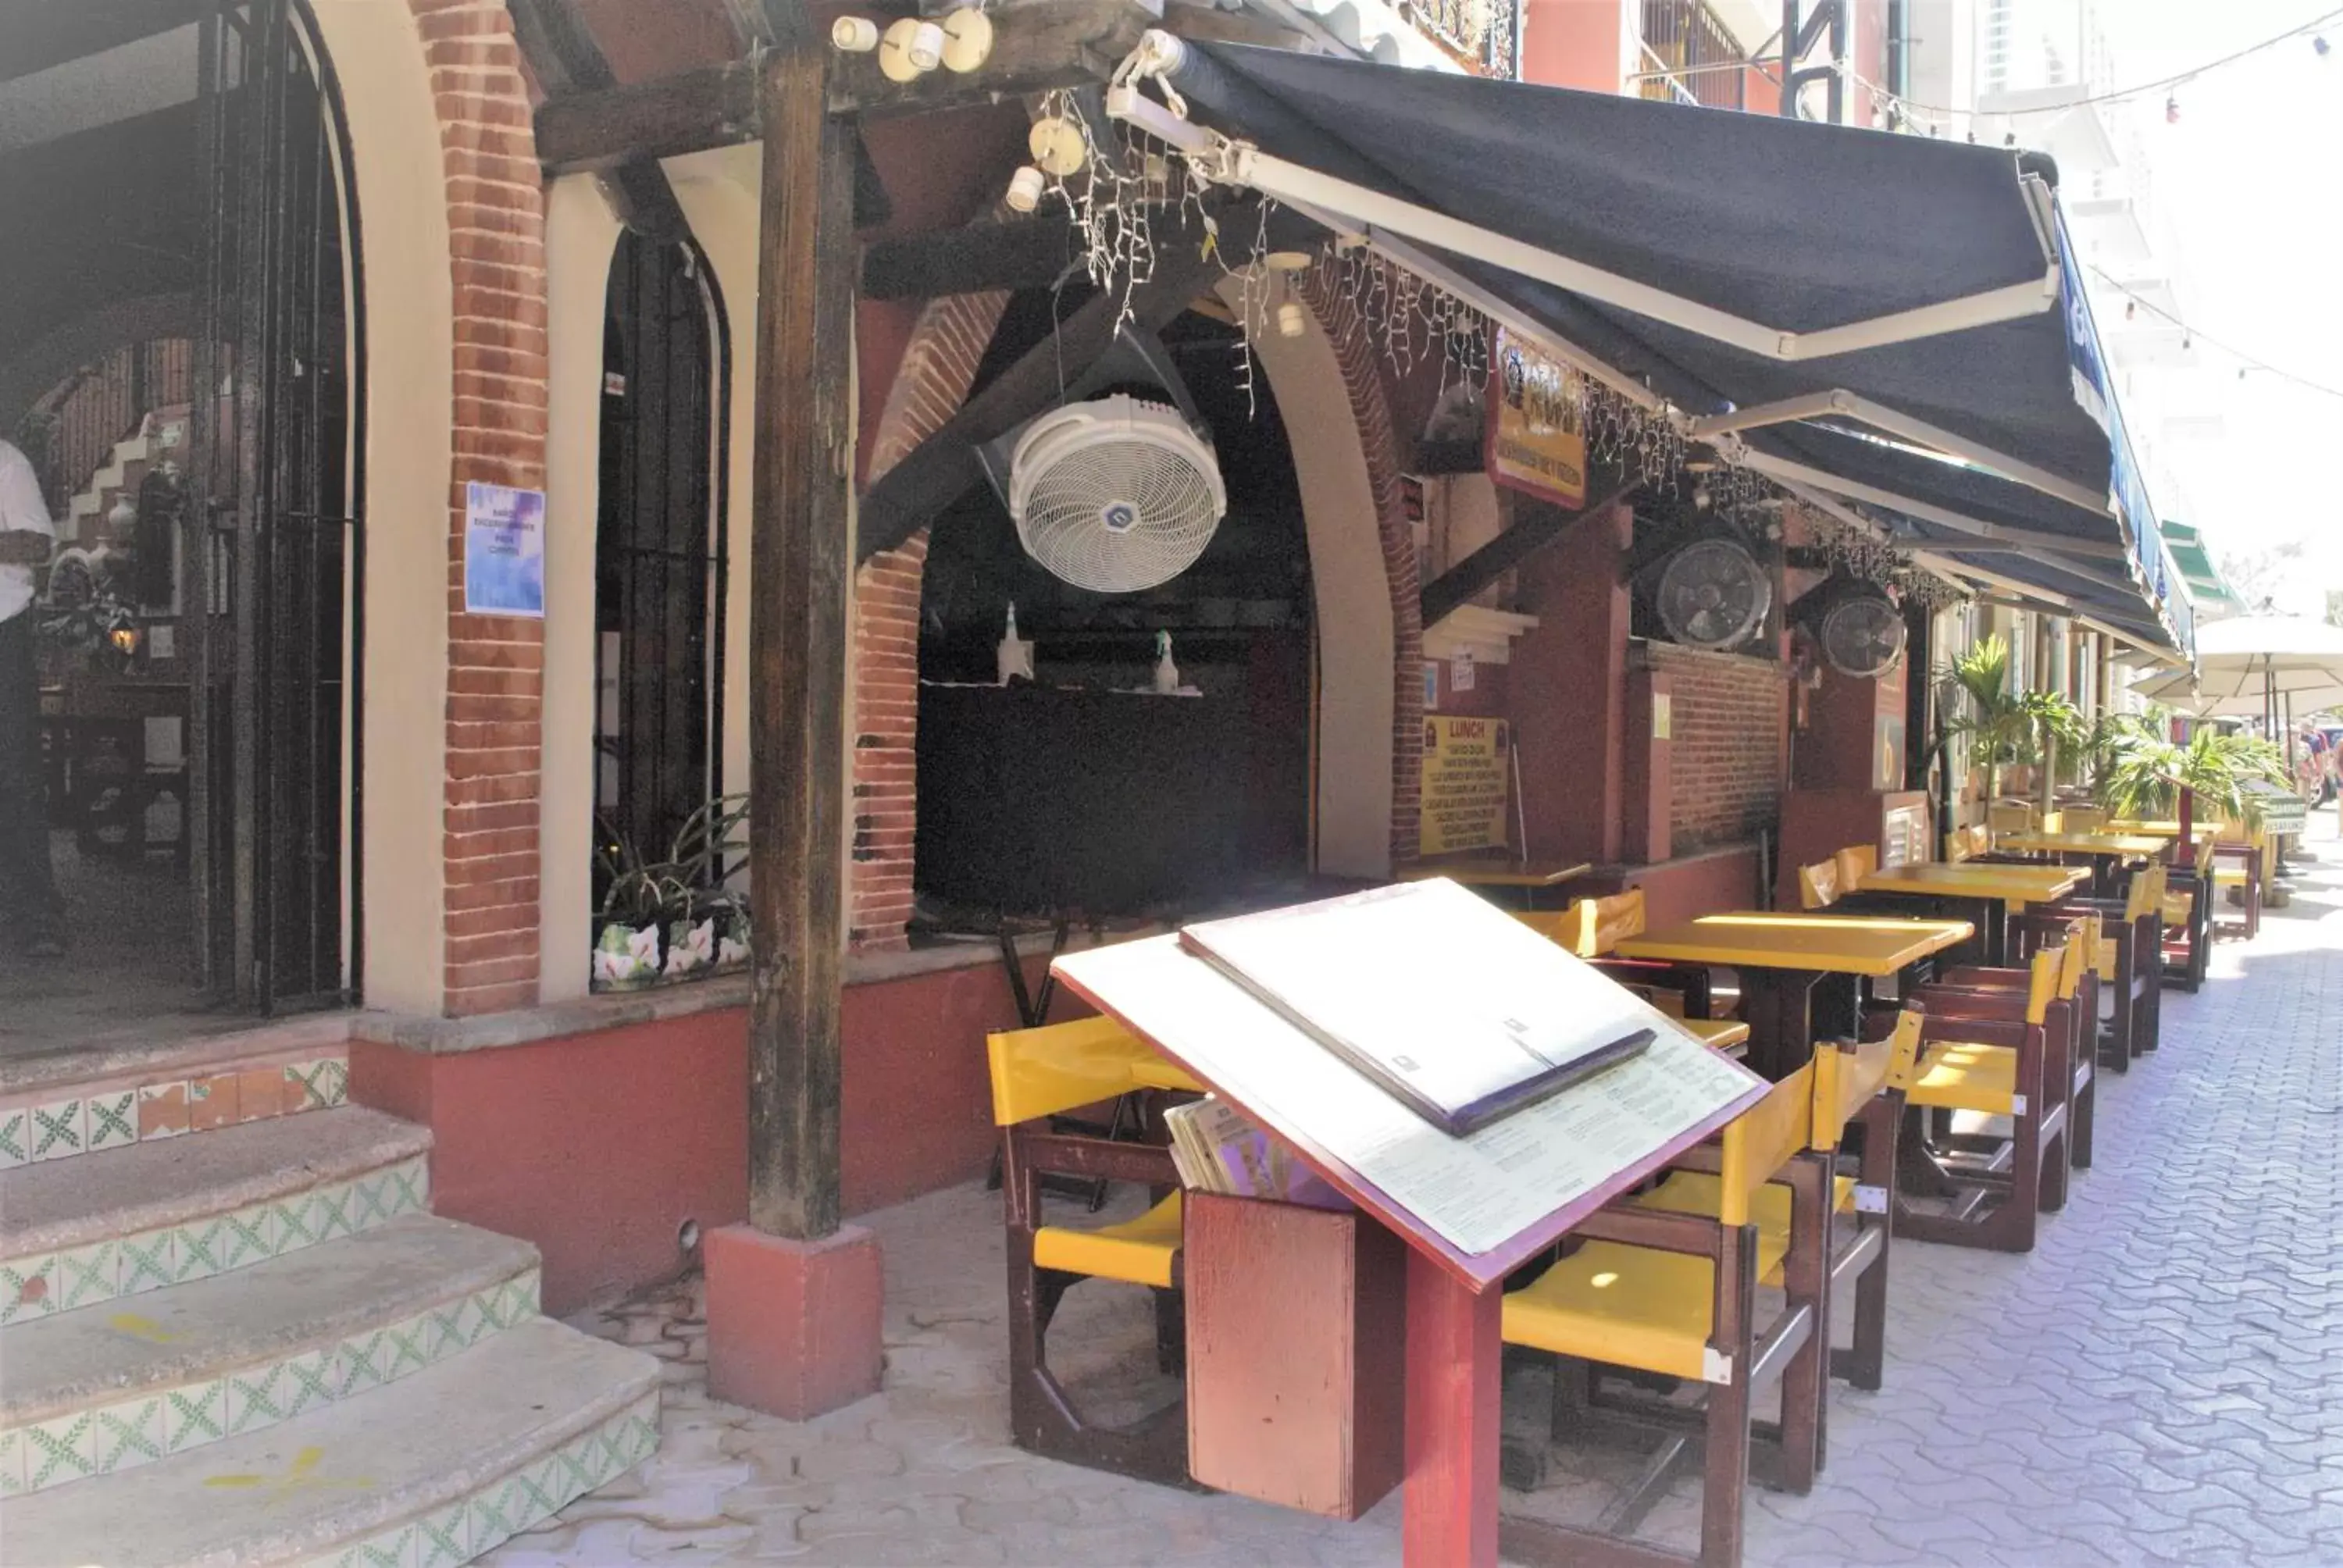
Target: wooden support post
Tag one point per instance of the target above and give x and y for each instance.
(1455, 1347)
(798, 565)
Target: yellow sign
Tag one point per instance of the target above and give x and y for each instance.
(1466, 765)
(1537, 425)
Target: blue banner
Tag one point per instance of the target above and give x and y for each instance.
(2095, 393)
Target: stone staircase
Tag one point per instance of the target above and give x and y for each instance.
(232, 1333)
(161, 433)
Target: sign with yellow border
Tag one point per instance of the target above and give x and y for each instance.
(1467, 764)
(1536, 439)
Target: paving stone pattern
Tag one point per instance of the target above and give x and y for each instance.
(2160, 1382)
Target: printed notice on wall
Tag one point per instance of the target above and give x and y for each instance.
(504, 550)
(1465, 769)
(1536, 425)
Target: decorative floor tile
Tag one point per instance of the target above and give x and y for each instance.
(311, 1380)
(88, 1274)
(300, 1222)
(261, 1397)
(12, 1461)
(195, 1415)
(162, 1110)
(128, 1434)
(487, 1523)
(149, 1262)
(196, 1251)
(391, 1549)
(111, 1121)
(15, 1137)
(443, 1540)
(260, 1093)
(410, 1187)
(362, 1363)
(58, 1130)
(60, 1451)
(408, 1346)
(29, 1288)
(331, 1209)
(211, 1103)
(316, 1085)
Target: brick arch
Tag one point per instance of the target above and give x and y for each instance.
(1379, 443)
(947, 342)
(496, 233)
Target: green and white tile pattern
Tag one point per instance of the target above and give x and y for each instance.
(136, 1431)
(520, 1501)
(108, 1119)
(218, 1244)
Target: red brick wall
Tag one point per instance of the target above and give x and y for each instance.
(947, 342)
(496, 665)
(1726, 744)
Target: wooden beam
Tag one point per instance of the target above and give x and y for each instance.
(942, 467)
(799, 566)
(1037, 44)
(1451, 590)
(562, 50)
(1023, 252)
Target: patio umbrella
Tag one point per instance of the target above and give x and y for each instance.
(2247, 666)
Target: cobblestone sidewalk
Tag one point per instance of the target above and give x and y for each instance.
(2160, 1382)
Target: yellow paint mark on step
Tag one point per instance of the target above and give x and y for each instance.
(139, 1328)
(301, 1475)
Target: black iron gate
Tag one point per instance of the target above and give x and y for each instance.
(274, 562)
(659, 555)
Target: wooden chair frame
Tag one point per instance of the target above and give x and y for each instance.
(1997, 1193)
(1043, 1418)
(2136, 1017)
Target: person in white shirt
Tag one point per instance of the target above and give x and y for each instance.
(30, 909)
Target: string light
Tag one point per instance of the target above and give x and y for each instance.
(2188, 336)
(2162, 84)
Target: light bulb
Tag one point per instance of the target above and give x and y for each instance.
(927, 46)
(854, 34)
(1025, 188)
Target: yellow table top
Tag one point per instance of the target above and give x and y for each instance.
(1496, 873)
(2080, 843)
(1870, 945)
(1969, 879)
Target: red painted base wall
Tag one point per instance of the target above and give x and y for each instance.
(597, 1147)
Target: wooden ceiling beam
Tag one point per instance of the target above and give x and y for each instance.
(1021, 253)
(562, 51)
(1038, 45)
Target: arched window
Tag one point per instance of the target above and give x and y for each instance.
(659, 551)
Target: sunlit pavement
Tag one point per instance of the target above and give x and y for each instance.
(2160, 1381)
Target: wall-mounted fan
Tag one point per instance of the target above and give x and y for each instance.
(1712, 593)
(1861, 631)
(1116, 493)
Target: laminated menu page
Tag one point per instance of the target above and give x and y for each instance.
(1450, 1005)
(1482, 1204)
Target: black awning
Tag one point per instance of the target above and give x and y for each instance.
(1723, 243)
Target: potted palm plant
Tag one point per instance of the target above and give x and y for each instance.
(2006, 727)
(2146, 773)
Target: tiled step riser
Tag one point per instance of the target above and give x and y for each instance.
(523, 1500)
(92, 1276)
(121, 1115)
(86, 1445)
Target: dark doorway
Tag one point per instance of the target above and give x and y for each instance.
(659, 550)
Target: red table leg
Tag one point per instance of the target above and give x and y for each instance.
(1455, 1353)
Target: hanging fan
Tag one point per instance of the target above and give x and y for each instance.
(1862, 633)
(1712, 594)
(1115, 494)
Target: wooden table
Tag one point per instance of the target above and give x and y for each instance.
(1519, 880)
(1780, 956)
(2105, 851)
(1982, 893)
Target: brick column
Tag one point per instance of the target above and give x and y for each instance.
(947, 341)
(496, 664)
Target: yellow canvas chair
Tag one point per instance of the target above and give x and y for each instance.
(1995, 1053)
(1592, 927)
(1818, 885)
(1866, 1084)
(1855, 862)
(2009, 817)
(1674, 1294)
(2081, 820)
(1039, 1074)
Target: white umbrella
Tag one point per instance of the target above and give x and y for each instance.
(2245, 667)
